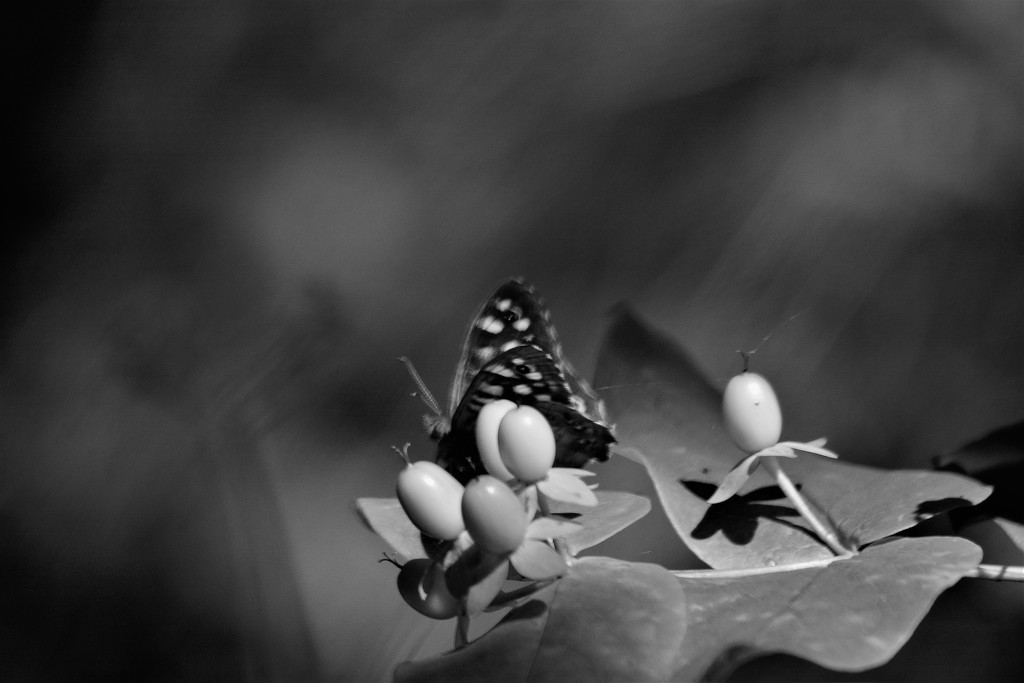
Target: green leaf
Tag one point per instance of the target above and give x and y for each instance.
(565, 487)
(850, 615)
(607, 621)
(665, 409)
(574, 471)
(386, 518)
(487, 587)
(552, 527)
(538, 561)
(739, 475)
(615, 511)
(868, 504)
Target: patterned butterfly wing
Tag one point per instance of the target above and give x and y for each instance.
(512, 316)
(515, 315)
(528, 376)
(578, 439)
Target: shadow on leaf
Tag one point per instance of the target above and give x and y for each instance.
(529, 610)
(738, 517)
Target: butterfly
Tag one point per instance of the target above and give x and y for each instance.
(511, 352)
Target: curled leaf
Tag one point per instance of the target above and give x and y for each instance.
(537, 560)
(386, 518)
(544, 528)
(528, 495)
(816, 446)
(482, 593)
(615, 511)
(566, 488)
(739, 475)
(477, 576)
(574, 471)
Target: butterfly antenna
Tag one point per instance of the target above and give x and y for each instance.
(421, 388)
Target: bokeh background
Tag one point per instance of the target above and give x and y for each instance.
(229, 219)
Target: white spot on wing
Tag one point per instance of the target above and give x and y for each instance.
(522, 324)
(490, 324)
(503, 304)
(492, 389)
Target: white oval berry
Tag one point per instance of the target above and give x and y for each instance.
(432, 499)
(526, 444)
(495, 517)
(487, 437)
(752, 413)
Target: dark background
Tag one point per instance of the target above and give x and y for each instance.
(228, 220)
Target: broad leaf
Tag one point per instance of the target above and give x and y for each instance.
(537, 560)
(552, 527)
(850, 615)
(615, 511)
(868, 504)
(607, 621)
(665, 409)
(386, 518)
(484, 587)
(563, 486)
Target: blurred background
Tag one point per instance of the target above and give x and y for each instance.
(228, 222)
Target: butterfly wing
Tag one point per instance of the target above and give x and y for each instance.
(512, 316)
(526, 375)
(578, 439)
(515, 315)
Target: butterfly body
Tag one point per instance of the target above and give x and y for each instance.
(511, 352)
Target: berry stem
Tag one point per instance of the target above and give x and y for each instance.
(996, 572)
(826, 534)
(403, 452)
(388, 558)
(560, 545)
(462, 631)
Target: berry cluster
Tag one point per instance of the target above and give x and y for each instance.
(499, 526)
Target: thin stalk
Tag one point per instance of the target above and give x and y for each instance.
(991, 572)
(996, 572)
(462, 631)
(825, 533)
(560, 545)
(752, 571)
